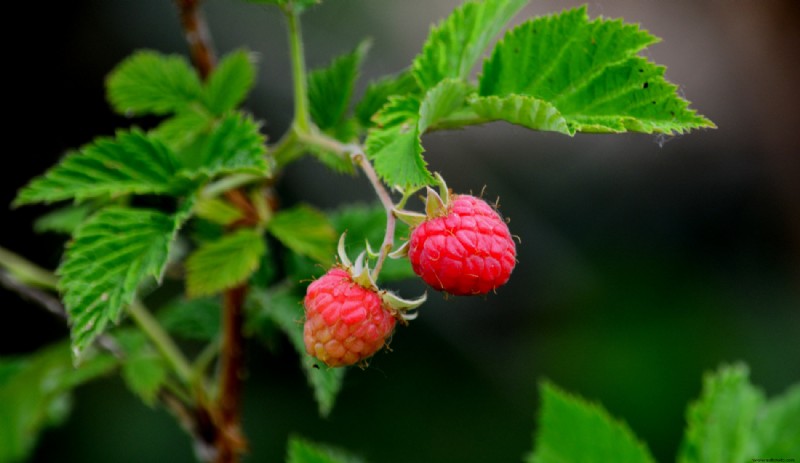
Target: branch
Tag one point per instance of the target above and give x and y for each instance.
(231, 442)
(197, 36)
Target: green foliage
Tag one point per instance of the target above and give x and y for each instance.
(571, 429)
(587, 71)
(230, 82)
(150, 83)
(395, 144)
(131, 162)
(143, 369)
(110, 256)
(306, 231)
(234, 145)
(378, 93)
(330, 89)
(455, 45)
(183, 129)
(225, 263)
(216, 210)
(304, 451)
(35, 394)
(63, 220)
(285, 309)
(733, 422)
(197, 319)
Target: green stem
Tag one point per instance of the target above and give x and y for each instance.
(302, 119)
(163, 342)
(27, 272)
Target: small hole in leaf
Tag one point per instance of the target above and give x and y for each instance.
(645, 85)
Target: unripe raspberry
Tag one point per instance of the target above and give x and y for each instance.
(465, 248)
(345, 322)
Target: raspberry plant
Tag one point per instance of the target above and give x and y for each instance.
(192, 199)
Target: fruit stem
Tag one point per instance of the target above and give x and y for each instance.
(356, 154)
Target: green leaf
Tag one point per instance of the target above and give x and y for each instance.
(455, 45)
(216, 210)
(720, 423)
(230, 82)
(330, 89)
(234, 145)
(143, 369)
(379, 92)
(184, 128)
(35, 394)
(395, 145)
(110, 256)
(304, 451)
(523, 110)
(285, 309)
(306, 231)
(587, 71)
(150, 83)
(197, 319)
(130, 163)
(368, 223)
(572, 429)
(777, 426)
(223, 264)
(63, 220)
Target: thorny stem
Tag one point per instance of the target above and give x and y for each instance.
(225, 428)
(356, 154)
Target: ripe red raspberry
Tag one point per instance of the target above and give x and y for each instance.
(466, 250)
(345, 322)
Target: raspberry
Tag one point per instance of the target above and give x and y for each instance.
(465, 249)
(345, 322)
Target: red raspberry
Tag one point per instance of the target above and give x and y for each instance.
(468, 250)
(345, 322)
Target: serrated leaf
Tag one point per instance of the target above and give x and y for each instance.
(151, 83)
(183, 128)
(234, 145)
(395, 145)
(777, 426)
(303, 451)
(523, 110)
(130, 163)
(455, 45)
(377, 95)
(229, 83)
(285, 309)
(143, 369)
(368, 223)
(572, 429)
(589, 72)
(330, 89)
(35, 394)
(306, 231)
(110, 255)
(63, 220)
(720, 422)
(225, 263)
(197, 319)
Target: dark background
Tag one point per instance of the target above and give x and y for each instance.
(644, 261)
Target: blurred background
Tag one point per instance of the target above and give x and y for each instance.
(645, 261)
